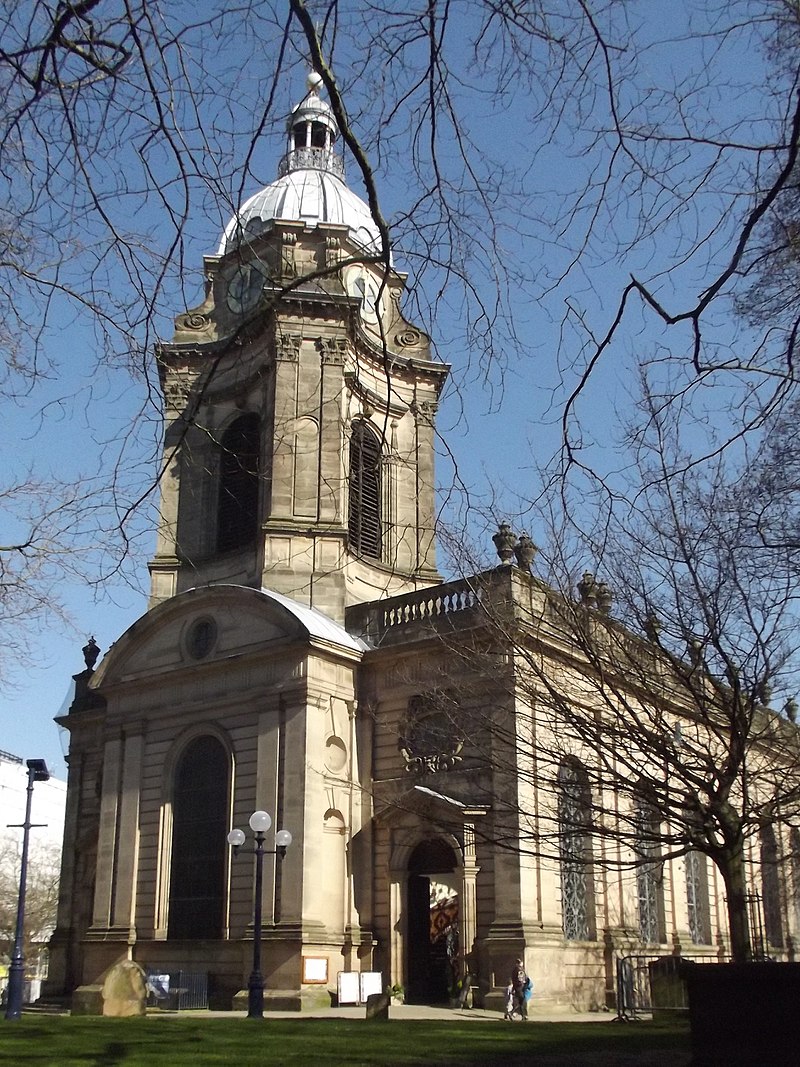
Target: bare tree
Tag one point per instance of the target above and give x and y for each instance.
(41, 897)
(633, 723)
(515, 155)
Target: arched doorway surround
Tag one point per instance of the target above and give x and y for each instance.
(462, 875)
(433, 952)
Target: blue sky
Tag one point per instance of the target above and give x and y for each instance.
(500, 418)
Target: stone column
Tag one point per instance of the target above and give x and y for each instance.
(425, 412)
(118, 845)
(469, 902)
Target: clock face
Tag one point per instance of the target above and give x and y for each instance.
(245, 287)
(360, 283)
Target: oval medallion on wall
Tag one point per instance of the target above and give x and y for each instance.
(201, 638)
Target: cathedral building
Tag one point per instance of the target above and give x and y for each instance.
(302, 655)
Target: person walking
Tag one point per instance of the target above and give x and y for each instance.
(518, 992)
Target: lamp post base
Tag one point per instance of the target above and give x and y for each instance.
(255, 996)
(16, 979)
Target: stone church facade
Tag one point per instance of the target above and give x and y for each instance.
(302, 655)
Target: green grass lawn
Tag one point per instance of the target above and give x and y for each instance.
(61, 1041)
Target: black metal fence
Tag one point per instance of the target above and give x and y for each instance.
(649, 983)
(177, 990)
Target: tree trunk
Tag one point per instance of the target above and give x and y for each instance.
(732, 868)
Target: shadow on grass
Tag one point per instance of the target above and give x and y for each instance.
(198, 1041)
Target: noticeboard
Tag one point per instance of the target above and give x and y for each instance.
(348, 987)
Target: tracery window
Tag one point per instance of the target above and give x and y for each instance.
(199, 825)
(364, 513)
(771, 887)
(575, 852)
(237, 501)
(649, 878)
(697, 898)
(794, 850)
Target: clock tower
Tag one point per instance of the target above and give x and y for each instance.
(300, 403)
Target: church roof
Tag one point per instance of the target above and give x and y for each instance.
(305, 195)
(317, 624)
(310, 187)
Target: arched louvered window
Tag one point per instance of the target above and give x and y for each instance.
(771, 887)
(364, 519)
(237, 503)
(575, 852)
(199, 826)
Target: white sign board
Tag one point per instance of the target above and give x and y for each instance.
(347, 987)
(371, 982)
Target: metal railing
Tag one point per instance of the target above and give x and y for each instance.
(653, 982)
(177, 990)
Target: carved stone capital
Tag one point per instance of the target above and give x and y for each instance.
(287, 348)
(288, 264)
(332, 350)
(177, 392)
(425, 410)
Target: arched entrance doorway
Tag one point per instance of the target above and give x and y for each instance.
(433, 962)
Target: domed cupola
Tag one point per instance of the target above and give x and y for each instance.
(312, 135)
(310, 186)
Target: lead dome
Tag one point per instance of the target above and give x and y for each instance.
(310, 187)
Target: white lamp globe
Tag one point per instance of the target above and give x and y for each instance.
(283, 839)
(236, 838)
(260, 822)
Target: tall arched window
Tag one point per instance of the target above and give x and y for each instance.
(237, 502)
(794, 850)
(575, 852)
(697, 898)
(364, 513)
(199, 826)
(649, 877)
(771, 887)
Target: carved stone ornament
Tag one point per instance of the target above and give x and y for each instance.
(91, 650)
(605, 598)
(429, 740)
(288, 267)
(176, 393)
(409, 338)
(333, 253)
(504, 541)
(287, 348)
(194, 321)
(332, 350)
(587, 589)
(525, 551)
(425, 410)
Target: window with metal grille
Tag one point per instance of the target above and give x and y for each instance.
(771, 887)
(697, 898)
(575, 852)
(650, 878)
(794, 855)
(364, 515)
(199, 826)
(237, 503)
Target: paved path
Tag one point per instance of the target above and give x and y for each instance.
(408, 1011)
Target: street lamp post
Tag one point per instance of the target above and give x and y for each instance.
(260, 822)
(37, 772)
